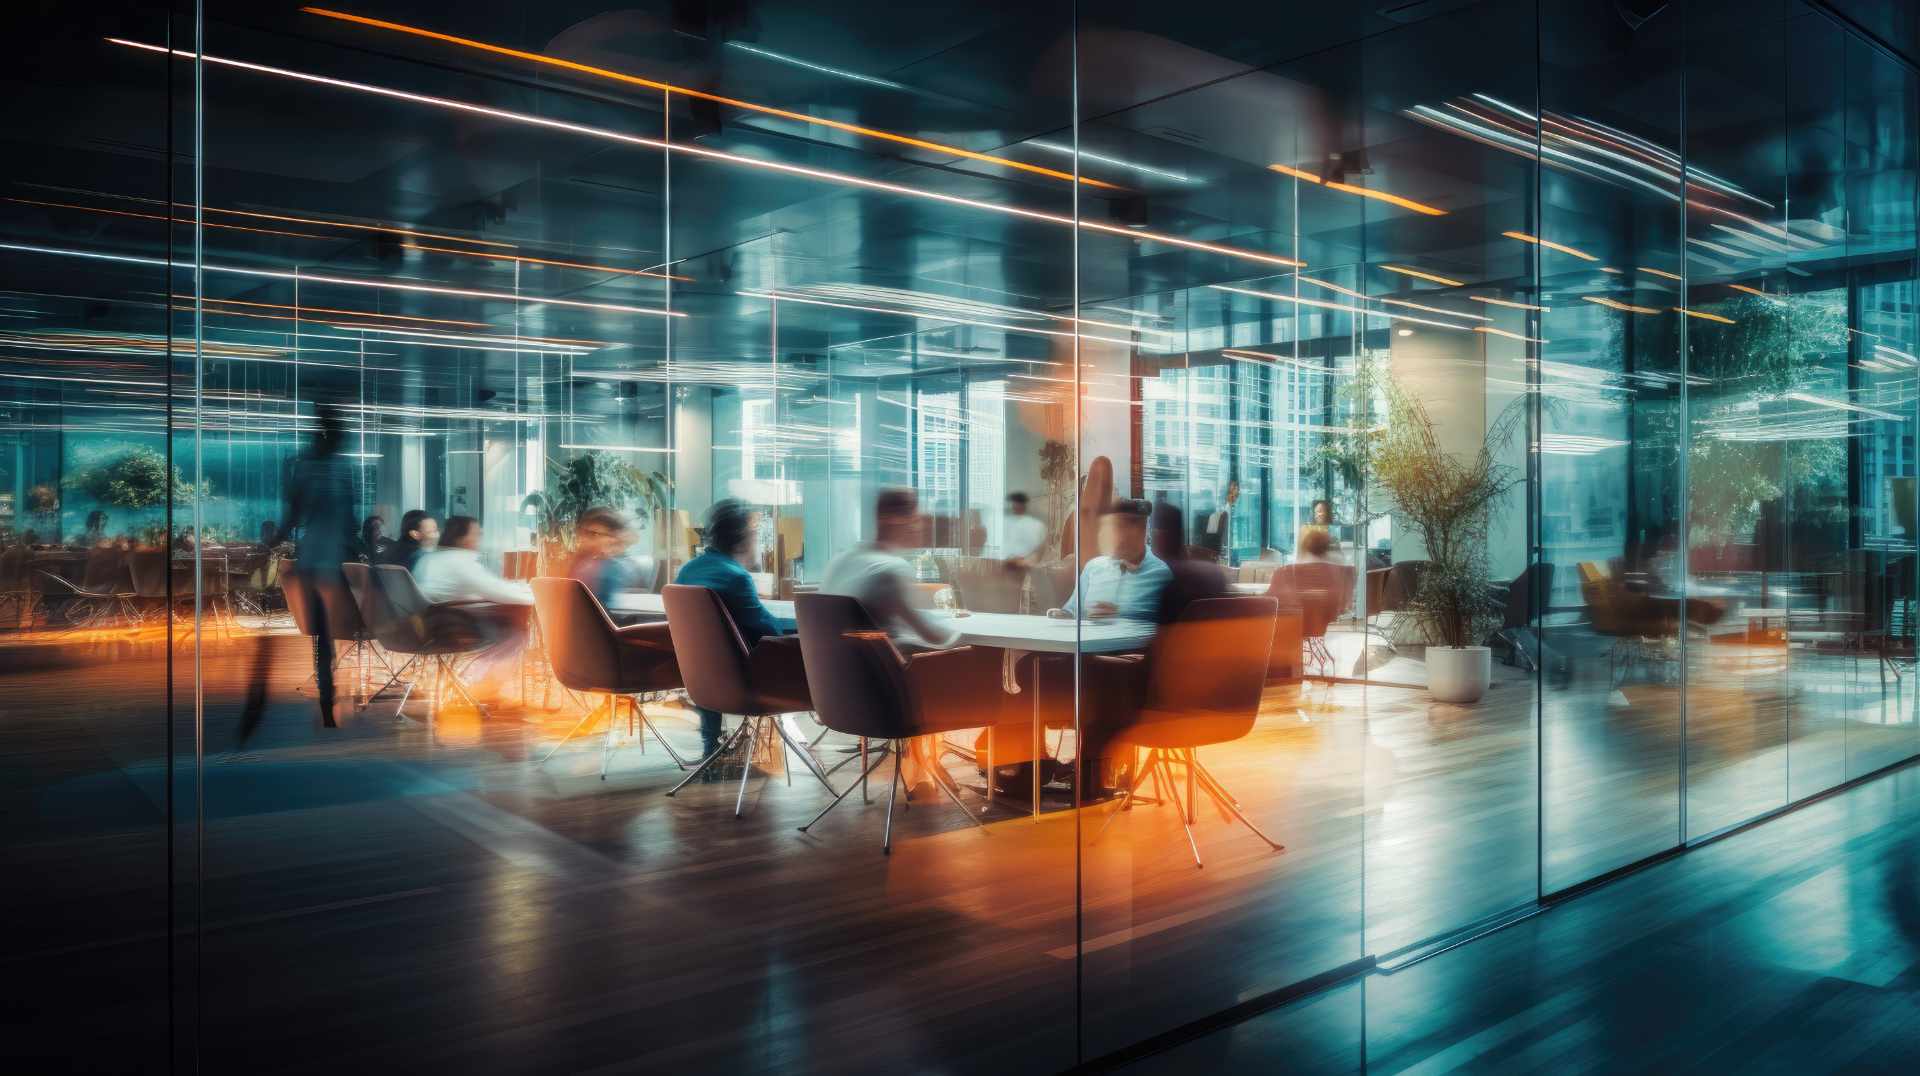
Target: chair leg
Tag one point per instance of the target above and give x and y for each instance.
(727, 744)
(1226, 799)
(646, 723)
(746, 766)
(1126, 798)
(805, 755)
(613, 724)
(886, 837)
(575, 730)
(844, 793)
(1186, 813)
(944, 781)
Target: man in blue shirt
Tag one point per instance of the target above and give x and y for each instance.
(1126, 579)
(733, 535)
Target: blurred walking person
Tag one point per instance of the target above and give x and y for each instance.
(319, 519)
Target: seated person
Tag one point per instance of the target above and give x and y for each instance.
(419, 534)
(453, 573)
(1126, 579)
(1316, 547)
(733, 536)
(601, 540)
(1190, 578)
(882, 580)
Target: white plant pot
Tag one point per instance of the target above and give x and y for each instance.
(1459, 674)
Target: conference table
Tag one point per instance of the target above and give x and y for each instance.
(1006, 631)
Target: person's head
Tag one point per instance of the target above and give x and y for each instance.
(897, 520)
(1016, 503)
(373, 529)
(329, 433)
(463, 532)
(96, 521)
(420, 528)
(1323, 512)
(269, 530)
(603, 532)
(1315, 541)
(1233, 491)
(733, 528)
(1168, 532)
(1123, 529)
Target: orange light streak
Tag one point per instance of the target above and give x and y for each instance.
(1551, 245)
(1404, 271)
(667, 87)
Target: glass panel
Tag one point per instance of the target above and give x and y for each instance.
(1609, 466)
(1868, 628)
(99, 709)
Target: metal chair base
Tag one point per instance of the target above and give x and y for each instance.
(1159, 766)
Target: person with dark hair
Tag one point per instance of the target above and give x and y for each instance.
(419, 535)
(1189, 578)
(454, 573)
(1126, 579)
(601, 538)
(1315, 544)
(319, 518)
(373, 538)
(732, 538)
(1024, 535)
(1217, 536)
(882, 580)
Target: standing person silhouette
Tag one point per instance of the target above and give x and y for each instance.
(319, 517)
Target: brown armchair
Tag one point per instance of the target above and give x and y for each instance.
(590, 654)
(863, 686)
(722, 674)
(1205, 675)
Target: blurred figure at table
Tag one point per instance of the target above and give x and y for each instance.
(419, 535)
(1023, 535)
(184, 541)
(1216, 536)
(878, 575)
(493, 607)
(601, 540)
(269, 533)
(1316, 547)
(373, 539)
(732, 542)
(319, 518)
(1188, 578)
(1125, 579)
(96, 533)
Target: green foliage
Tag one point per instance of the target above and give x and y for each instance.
(136, 478)
(594, 480)
(1448, 500)
(1776, 344)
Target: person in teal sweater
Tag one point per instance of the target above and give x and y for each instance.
(733, 536)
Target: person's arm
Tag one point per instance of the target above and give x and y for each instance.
(750, 615)
(892, 594)
(477, 580)
(1072, 606)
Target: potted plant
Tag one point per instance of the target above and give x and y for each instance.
(592, 480)
(1447, 499)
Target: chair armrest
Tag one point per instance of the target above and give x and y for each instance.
(648, 636)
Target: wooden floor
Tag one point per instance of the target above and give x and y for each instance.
(377, 898)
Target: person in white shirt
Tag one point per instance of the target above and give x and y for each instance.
(1024, 534)
(1126, 579)
(880, 577)
(453, 573)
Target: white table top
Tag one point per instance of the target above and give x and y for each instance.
(1014, 631)
(656, 606)
(1252, 589)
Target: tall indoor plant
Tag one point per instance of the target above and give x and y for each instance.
(1447, 499)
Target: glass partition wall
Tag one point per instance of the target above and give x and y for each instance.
(1587, 340)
